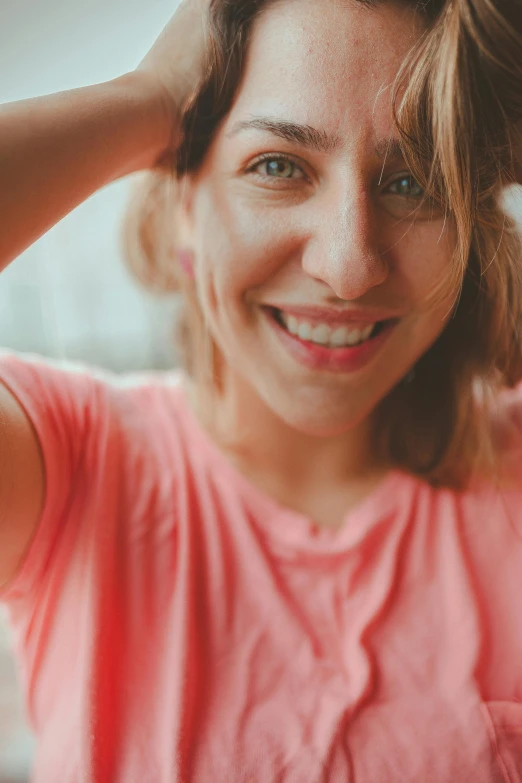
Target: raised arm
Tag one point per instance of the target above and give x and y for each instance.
(56, 151)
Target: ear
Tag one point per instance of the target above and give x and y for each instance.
(185, 238)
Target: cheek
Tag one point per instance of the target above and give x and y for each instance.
(240, 242)
(425, 264)
(422, 276)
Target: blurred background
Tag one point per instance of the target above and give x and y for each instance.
(69, 295)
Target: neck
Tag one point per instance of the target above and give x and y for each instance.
(280, 459)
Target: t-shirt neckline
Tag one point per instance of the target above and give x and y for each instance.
(290, 528)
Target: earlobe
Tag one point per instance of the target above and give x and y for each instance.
(186, 199)
(184, 254)
(185, 258)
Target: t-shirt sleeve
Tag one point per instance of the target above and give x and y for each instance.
(64, 404)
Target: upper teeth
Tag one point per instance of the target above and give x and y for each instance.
(322, 334)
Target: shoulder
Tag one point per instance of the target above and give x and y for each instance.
(492, 504)
(110, 449)
(83, 398)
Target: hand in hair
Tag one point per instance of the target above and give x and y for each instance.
(175, 61)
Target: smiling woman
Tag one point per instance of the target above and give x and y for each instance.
(400, 223)
(300, 560)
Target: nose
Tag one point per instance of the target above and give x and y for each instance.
(343, 250)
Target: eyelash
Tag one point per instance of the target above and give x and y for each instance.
(268, 157)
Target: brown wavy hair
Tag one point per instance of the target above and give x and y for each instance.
(457, 105)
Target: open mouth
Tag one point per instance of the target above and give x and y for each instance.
(328, 336)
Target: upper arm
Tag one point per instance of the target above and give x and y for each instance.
(22, 484)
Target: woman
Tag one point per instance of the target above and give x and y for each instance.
(300, 561)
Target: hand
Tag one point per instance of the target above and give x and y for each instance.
(174, 64)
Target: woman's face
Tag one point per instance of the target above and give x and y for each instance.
(314, 257)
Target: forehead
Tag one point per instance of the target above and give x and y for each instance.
(326, 63)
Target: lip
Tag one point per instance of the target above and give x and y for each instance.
(335, 360)
(330, 315)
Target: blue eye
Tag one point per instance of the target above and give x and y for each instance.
(406, 187)
(278, 168)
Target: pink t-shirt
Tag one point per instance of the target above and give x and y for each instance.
(173, 623)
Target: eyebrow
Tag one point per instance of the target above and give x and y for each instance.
(303, 135)
(311, 138)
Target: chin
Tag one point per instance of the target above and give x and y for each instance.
(316, 416)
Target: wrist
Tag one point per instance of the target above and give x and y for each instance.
(155, 121)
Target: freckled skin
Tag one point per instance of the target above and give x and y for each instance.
(334, 232)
